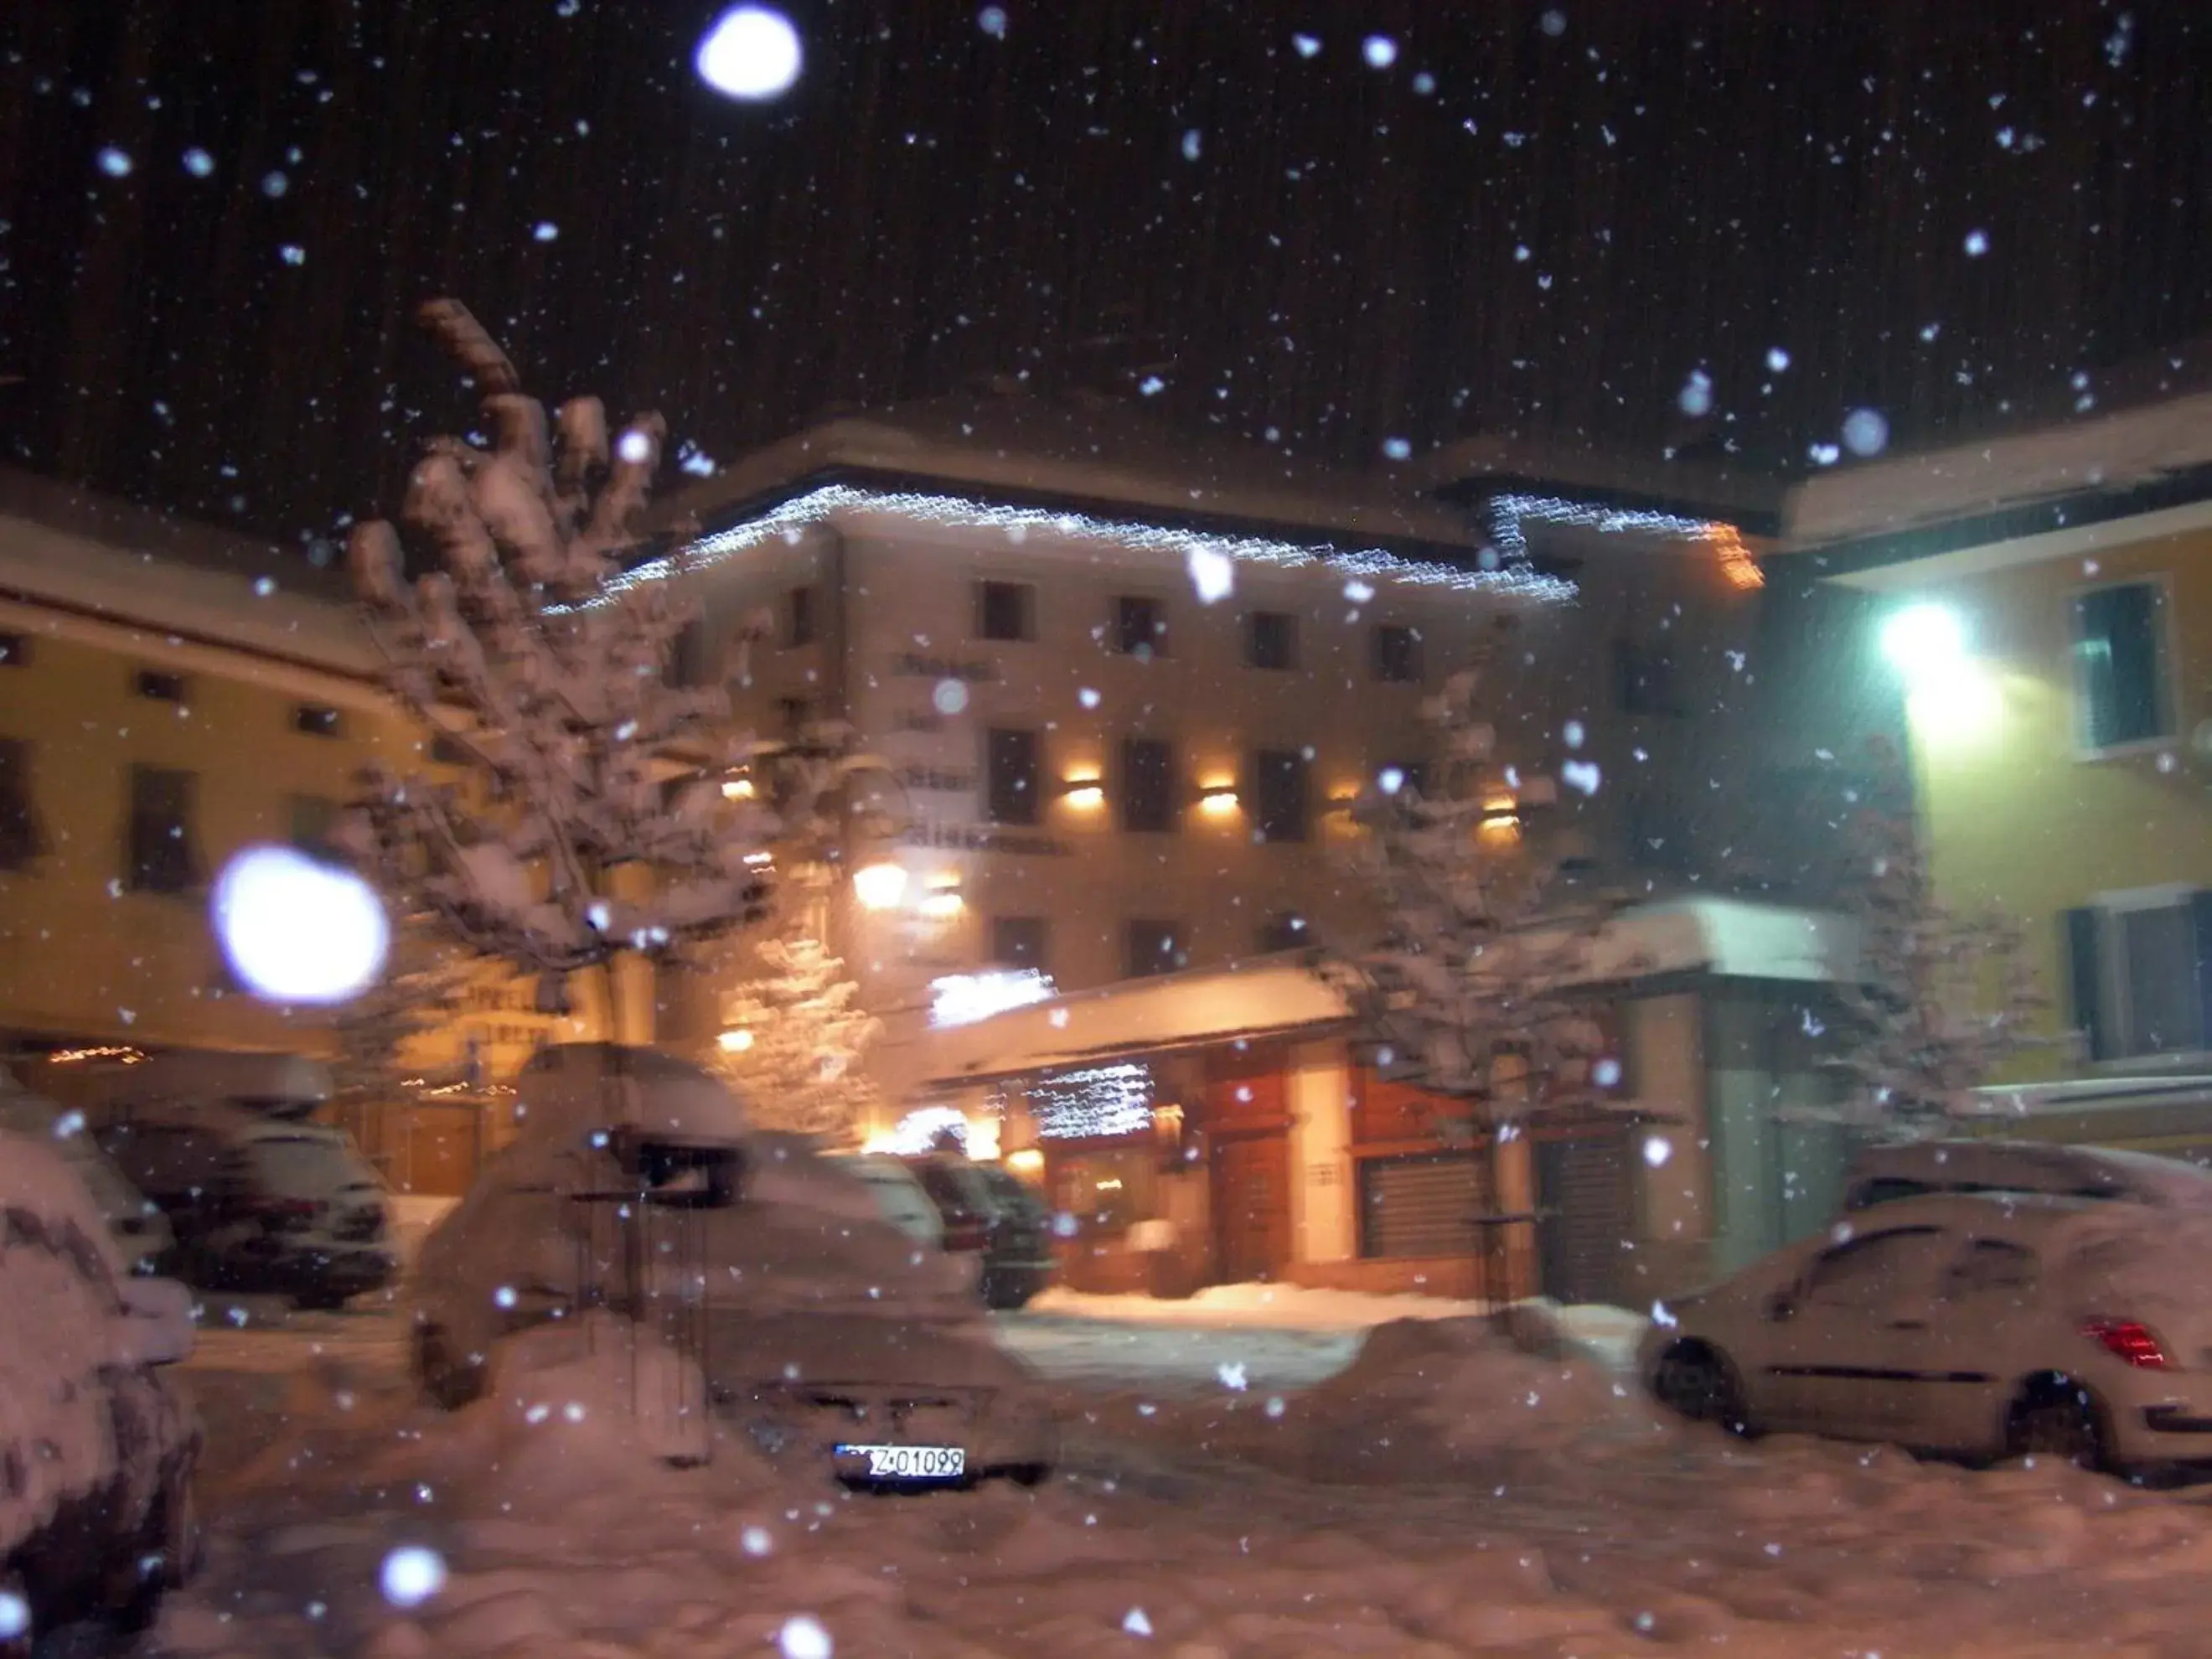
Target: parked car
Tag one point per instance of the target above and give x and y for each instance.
(904, 1202)
(1978, 1326)
(141, 1233)
(990, 1214)
(1883, 1174)
(259, 1204)
(97, 1446)
(635, 1183)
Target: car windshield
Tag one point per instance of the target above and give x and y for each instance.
(1471, 744)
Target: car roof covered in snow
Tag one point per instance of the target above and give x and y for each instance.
(2036, 1167)
(573, 1089)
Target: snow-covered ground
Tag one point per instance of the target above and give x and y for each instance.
(1444, 1494)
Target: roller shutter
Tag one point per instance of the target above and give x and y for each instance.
(1422, 1205)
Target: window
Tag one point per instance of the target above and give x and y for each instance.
(314, 821)
(1643, 679)
(1283, 931)
(1019, 942)
(15, 650)
(21, 839)
(1011, 794)
(1148, 802)
(2119, 666)
(1870, 1273)
(447, 751)
(1990, 1266)
(1152, 948)
(161, 855)
(2139, 968)
(1397, 654)
(794, 712)
(317, 721)
(1280, 794)
(1141, 626)
(1005, 610)
(798, 618)
(162, 687)
(687, 657)
(1271, 639)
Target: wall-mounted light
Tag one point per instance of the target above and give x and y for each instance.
(1949, 694)
(1924, 642)
(1216, 798)
(1026, 1161)
(943, 900)
(735, 1042)
(1085, 793)
(737, 789)
(760, 861)
(879, 886)
(1501, 818)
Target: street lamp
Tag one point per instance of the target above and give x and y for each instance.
(879, 886)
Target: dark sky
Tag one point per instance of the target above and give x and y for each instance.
(1541, 217)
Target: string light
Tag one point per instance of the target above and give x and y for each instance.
(785, 520)
(1096, 1102)
(1508, 512)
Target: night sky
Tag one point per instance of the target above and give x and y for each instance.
(1537, 217)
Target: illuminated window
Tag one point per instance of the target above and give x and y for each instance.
(2138, 963)
(1271, 639)
(1005, 610)
(1148, 786)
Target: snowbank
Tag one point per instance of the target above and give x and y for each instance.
(1281, 1307)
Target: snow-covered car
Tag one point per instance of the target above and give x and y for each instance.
(1915, 1169)
(1976, 1326)
(990, 1214)
(273, 1205)
(141, 1233)
(635, 1184)
(97, 1448)
(900, 1198)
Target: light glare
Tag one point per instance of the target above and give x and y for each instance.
(751, 54)
(297, 931)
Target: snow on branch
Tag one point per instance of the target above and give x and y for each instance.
(1941, 998)
(793, 1039)
(1468, 985)
(554, 683)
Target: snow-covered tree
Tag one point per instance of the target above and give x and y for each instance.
(1941, 998)
(380, 1033)
(543, 656)
(1465, 990)
(793, 1037)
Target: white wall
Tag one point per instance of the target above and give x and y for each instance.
(1324, 1214)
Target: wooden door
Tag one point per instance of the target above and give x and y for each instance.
(1251, 1206)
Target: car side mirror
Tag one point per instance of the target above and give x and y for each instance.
(1780, 1309)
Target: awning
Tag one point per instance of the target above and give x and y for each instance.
(1274, 997)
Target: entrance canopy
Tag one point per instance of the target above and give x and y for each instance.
(1279, 996)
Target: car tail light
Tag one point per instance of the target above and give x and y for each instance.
(969, 1233)
(2129, 1339)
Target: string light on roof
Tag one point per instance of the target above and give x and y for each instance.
(1510, 579)
(1508, 514)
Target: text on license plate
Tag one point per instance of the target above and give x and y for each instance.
(910, 1462)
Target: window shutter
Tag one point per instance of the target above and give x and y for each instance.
(2085, 1000)
(2200, 912)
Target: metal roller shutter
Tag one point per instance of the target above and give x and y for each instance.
(1587, 1204)
(1422, 1205)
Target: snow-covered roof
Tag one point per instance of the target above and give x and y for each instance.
(1722, 938)
(1098, 451)
(2109, 454)
(125, 566)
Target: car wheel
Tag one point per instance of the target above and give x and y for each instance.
(2058, 1421)
(1694, 1382)
(450, 1384)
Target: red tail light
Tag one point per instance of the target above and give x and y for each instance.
(2129, 1339)
(970, 1235)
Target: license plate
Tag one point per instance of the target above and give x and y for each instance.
(910, 1462)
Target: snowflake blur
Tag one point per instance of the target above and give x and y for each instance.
(751, 54)
(297, 931)
(411, 1575)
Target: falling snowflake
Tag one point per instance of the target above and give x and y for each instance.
(545, 231)
(1977, 243)
(1307, 45)
(1087, 697)
(274, 184)
(1151, 385)
(1573, 733)
(264, 586)
(992, 19)
(1212, 576)
(1380, 50)
(1865, 433)
(1777, 360)
(803, 1637)
(1657, 1148)
(634, 447)
(1581, 775)
(412, 1574)
(755, 1540)
(1232, 1377)
(113, 162)
(1397, 449)
(198, 162)
(949, 697)
(1135, 1622)
(1192, 145)
(293, 254)
(1695, 400)
(1554, 23)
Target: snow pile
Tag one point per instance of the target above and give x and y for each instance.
(1278, 1307)
(585, 1392)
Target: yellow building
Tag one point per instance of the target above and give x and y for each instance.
(169, 696)
(2043, 605)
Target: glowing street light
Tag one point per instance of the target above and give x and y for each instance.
(879, 886)
(1925, 643)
